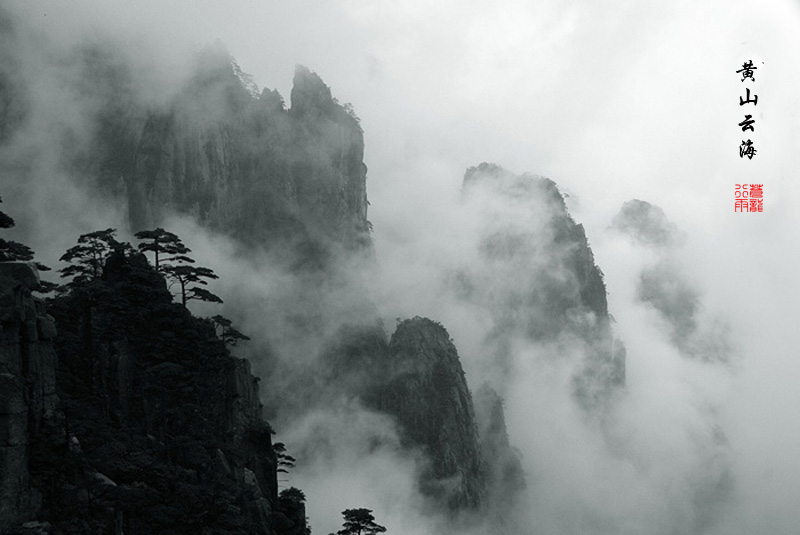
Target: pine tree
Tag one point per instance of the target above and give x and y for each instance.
(293, 494)
(161, 242)
(170, 258)
(359, 522)
(189, 277)
(11, 251)
(228, 333)
(89, 256)
(6, 221)
(284, 460)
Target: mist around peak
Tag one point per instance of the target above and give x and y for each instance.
(645, 371)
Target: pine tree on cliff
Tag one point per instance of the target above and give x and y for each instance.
(293, 494)
(359, 522)
(11, 251)
(89, 256)
(189, 278)
(161, 242)
(86, 290)
(290, 517)
(284, 460)
(6, 221)
(227, 333)
(178, 269)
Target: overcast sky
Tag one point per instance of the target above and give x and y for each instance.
(612, 100)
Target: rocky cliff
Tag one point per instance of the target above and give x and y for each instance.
(28, 400)
(238, 162)
(289, 180)
(164, 427)
(425, 390)
(505, 478)
(537, 277)
(161, 429)
(416, 377)
(204, 144)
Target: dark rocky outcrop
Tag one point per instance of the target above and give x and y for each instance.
(157, 405)
(416, 377)
(147, 425)
(291, 516)
(426, 392)
(538, 278)
(28, 399)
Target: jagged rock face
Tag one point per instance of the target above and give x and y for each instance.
(505, 478)
(28, 399)
(329, 175)
(240, 164)
(426, 391)
(555, 249)
(416, 378)
(165, 427)
(207, 146)
(292, 519)
(537, 277)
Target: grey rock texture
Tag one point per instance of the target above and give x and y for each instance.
(647, 224)
(147, 425)
(238, 163)
(426, 391)
(537, 277)
(505, 478)
(28, 399)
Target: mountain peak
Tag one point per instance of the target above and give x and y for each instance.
(646, 223)
(309, 92)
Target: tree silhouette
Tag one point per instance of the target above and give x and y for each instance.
(170, 258)
(293, 494)
(284, 461)
(6, 221)
(189, 277)
(290, 517)
(161, 242)
(89, 256)
(359, 522)
(11, 251)
(228, 334)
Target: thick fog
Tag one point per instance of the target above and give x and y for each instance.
(634, 101)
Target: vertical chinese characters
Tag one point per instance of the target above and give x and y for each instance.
(747, 148)
(748, 197)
